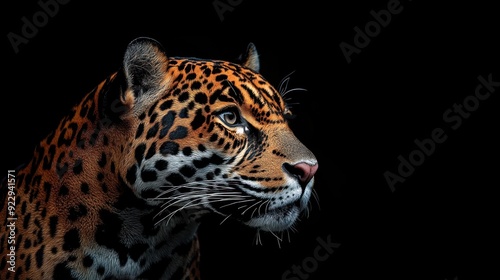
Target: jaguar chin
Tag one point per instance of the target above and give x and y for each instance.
(281, 217)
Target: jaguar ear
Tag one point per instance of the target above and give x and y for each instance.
(251, 58)
(144, 65)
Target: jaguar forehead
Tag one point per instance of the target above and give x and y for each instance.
(227, 82)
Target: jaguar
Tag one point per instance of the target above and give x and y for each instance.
(118, 190)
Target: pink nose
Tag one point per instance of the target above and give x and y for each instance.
(303, 171)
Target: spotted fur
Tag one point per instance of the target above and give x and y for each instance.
(117, 190)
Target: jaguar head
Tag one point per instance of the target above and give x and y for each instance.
(212, 136)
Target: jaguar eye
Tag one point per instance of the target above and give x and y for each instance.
(230, 117)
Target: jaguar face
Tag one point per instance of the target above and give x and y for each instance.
(213, 136)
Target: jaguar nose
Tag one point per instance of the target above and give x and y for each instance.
(303, 171)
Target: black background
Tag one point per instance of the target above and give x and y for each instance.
(357, 118)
